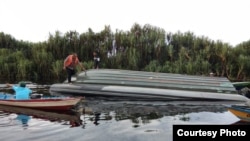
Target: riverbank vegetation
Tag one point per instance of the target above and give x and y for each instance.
(143, 48)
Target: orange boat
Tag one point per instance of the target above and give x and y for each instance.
(242, 112)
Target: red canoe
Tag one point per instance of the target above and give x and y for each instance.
(49, 103)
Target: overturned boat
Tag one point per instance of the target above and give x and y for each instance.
(148, 85)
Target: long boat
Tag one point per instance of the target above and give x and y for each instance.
(148, 85)
(53, 116)
(43, 103)
(241, 111)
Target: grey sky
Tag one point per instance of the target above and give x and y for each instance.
(33, 20)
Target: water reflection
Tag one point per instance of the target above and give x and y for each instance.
(143, 112)
(110, 119)
(24, 115)
(24, 119)
(99, 119)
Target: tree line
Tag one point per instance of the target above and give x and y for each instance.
(142, 48)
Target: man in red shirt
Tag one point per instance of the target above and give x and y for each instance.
(70, 64)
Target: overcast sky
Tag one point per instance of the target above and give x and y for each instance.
(34, 20)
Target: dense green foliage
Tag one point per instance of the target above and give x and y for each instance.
(145, 48)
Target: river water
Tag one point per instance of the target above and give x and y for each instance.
(101, 119)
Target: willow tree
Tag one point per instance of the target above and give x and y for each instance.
(56, 45)
(221, 50)
(42, 63)
(57, 69)
(7, 41)
(72, 42)
(181, 62)
(160, 47)
(88, 43)
(5, 68)
(24, 69)
(132, 58)
(243, 62)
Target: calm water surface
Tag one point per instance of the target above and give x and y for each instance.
(99, 119)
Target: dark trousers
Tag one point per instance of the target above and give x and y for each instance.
(70, 73)
(96, 64)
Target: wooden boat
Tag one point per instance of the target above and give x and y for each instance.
(241, 111)
(53, 116)
(44, 103)
(148, 85)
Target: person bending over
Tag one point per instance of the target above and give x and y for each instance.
(70, 64)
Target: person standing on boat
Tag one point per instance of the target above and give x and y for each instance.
(96, 60)
(21, 92)
(70, 64)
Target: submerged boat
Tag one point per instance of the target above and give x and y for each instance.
(241, 111)
(148, 85)
(43, 103)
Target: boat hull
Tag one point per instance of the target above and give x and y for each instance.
(242, 112)
(53, 103)
(240, 85)
(141, 93)
(148, 85)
